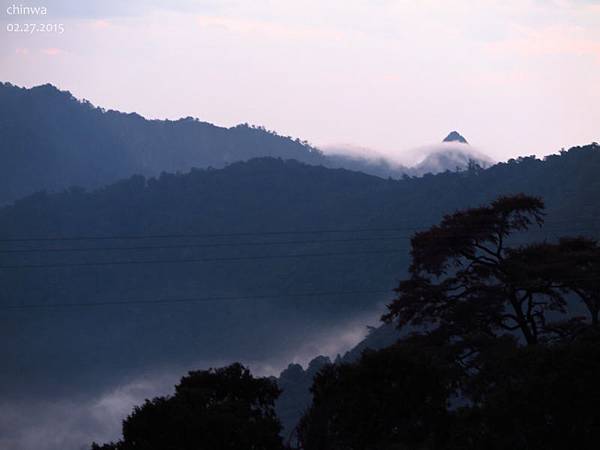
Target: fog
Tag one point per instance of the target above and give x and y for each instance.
(96, 414)
(412, 158)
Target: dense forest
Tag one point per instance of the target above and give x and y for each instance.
(497, 356)
(310, 246)
(52, 141)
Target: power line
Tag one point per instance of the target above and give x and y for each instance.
(191, 299)
(203, 260)
(240, 234)
(198, 260)
(200, 235)
(232, 244)
(213, 298)
(213, 245)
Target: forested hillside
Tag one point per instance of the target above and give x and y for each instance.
(51, 140)
(487, 327)
(296, 381)
(249, 261)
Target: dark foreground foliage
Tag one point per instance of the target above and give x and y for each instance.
(535, 398)
(262, 195)
(379, 402)
(497, 358)
(225, 409)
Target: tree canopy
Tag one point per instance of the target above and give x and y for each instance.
(497, 355)
(224, 408)
(471, 278)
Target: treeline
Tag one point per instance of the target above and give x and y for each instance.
(498, 356)
(258, 196)
(51, 140)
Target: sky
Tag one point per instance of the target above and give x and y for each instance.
(515, 77)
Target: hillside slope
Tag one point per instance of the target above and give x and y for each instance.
(51, 140)
(266, 229)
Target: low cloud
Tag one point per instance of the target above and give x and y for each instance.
(73, 424)
(76, 422)
(407, 158)
(337, 339)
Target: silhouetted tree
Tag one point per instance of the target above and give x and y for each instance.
(582, 259)
(466, 281)
(223, 408)
(392, 398)
(467, 382)
(576, 268)
(534, 398)
(570, 266)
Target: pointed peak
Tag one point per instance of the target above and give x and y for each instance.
(455, 136)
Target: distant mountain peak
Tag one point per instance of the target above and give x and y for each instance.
(455, 136)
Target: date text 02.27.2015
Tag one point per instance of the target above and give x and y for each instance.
(35, 28)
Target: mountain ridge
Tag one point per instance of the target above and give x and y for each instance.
(257, 196)
(52, 140)
(214, 246)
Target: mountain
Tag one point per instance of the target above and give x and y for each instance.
(453, 154)
(455, 136)
(263, 262)
(51, 140)
(243, 244)
(380, 166)
(450, 156)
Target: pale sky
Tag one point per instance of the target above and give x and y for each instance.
(515, 77)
